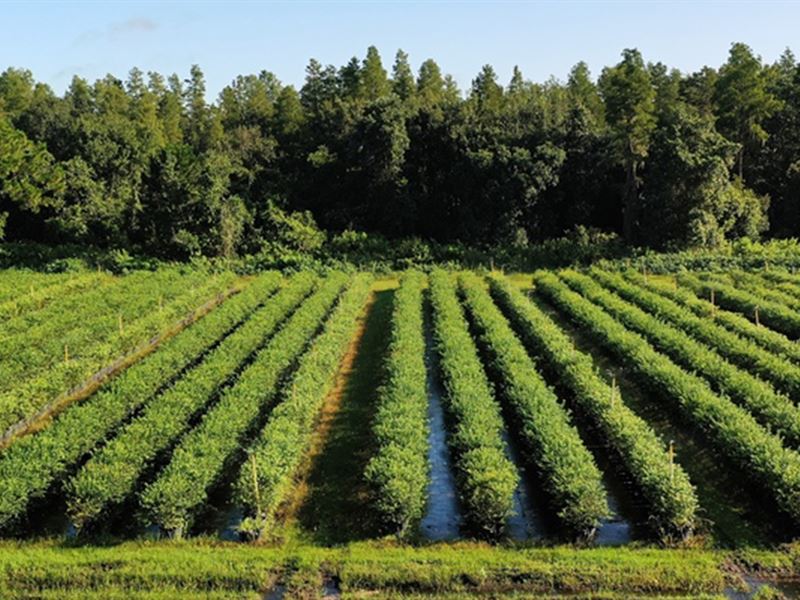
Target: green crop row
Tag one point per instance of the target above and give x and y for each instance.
(266, 479)
(781, 372)
(763, 336)
(101, 305)
(774, 410)
(790, 289)
(137, 310)
(71, 356)
(42, 296)
(111, 475)
(734, 431)
(786, 282)
(486, 476)
(663, 484)
(398, 471)
(552, 444)
(18, 283)
(772, 314)
(756, 285)
(32, 464)
(202, 456)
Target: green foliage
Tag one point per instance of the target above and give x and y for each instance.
(403, 84)
(267, 477)
(743, 253)
(744, 100)
(777, 170)
(466, 570)
(36, 299)
(708, 327)
(584, 93)
(200, 569)
(200, 459)
(149, 166)
(671, 499)
(111, 474)
(293, 231)
(29, 178)
(774, 410)
(773, 314)
(629, 99)
(770, 340)
(767, 592)
(760, 454)
(630, 105)
(373, 80)
(36, 462)
(398, 471)
(553, 445)
(689, 198)
(779, 293)
(486, 477)
(47, 353)
(781, 280)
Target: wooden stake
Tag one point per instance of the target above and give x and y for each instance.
(121, 325)
(613, 390)
(758, 322)
(713, 312)
(256, 491)
(66, 353)
(671, 461)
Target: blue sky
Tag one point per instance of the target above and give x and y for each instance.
(58, 39)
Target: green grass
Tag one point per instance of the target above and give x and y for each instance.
(207, 569)
(336, 508)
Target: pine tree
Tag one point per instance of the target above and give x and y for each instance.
(374, 82)
(402, 77)
(630, 109)
(743, 101)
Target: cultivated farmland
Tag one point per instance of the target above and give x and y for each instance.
(603, 432)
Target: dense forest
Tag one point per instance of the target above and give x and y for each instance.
(663, 159)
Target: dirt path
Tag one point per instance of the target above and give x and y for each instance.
(331, 504)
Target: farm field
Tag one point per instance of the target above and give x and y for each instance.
(575, 433)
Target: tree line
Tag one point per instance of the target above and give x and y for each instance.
(662, 158)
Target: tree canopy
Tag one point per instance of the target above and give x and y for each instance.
(151, 164)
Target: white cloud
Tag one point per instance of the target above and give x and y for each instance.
(132, 26)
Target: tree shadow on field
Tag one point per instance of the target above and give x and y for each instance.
(335, 508)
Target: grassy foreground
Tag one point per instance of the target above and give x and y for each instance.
(211, 569)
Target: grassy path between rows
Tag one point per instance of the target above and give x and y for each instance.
(332, 503)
